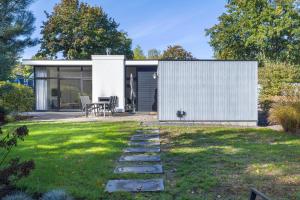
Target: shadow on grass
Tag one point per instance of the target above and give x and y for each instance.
(78, 157)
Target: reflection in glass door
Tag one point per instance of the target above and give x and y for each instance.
(70, 90)
(52, 94)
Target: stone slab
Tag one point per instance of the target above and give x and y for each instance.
(140, 158)
(145, 137)
(142, 150)
(142, 169)
(144, 143)
(148, 131)
(135, 185)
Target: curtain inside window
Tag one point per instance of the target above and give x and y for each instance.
(41, 89)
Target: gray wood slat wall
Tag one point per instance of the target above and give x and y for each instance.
(207, 90)
(146, 91)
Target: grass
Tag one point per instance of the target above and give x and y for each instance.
(77, 157)
(224, 163)
(199, 163)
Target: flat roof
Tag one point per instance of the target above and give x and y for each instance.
(83, 62)
(127, 62)
(141, 62)
(57, 62)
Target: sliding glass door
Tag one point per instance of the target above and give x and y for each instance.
(60, 88)
(70, 92)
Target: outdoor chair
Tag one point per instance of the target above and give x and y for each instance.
(87, 105)
(255, 193)
(111, 105)
(113, 102)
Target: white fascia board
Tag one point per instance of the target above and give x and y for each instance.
(141, 62)
(57, 62)
(108, 57)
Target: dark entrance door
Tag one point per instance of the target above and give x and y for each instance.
(146, 90)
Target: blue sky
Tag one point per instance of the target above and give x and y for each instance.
(152, 23)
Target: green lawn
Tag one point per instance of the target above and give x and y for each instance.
(199, 163)
(204, 163)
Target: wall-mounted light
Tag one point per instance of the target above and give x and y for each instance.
(180, 114)
(155, 75)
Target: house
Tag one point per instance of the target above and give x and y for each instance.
(207, 91)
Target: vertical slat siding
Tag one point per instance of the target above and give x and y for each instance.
(208, 90)
(146, 91)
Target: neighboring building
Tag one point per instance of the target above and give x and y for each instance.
(210, 91)
(23, 81)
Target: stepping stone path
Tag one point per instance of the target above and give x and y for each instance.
(144, 147)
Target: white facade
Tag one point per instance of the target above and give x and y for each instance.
(108, 73)
(208, 91)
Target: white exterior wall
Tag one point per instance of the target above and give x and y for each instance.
(108, 74)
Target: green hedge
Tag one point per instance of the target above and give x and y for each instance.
(15, 98)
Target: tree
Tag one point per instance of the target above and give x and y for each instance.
(259, 29)
(273, 78)
(16, 27)
(25, 71)
(138, 53)
(78, 30)
(21, 70)
(177, 52)
(154, 54)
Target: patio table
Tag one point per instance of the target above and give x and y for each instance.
(102, 104)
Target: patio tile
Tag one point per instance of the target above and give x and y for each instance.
(140, 158)
(144, 143)
(137, 185)
(142, 150)
(143, 169)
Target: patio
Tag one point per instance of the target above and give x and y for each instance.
(80, 117)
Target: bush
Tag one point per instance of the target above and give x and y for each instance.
(13, 169)
(16, 98)
(3, 113)
(56, 195)
(287, 115)
(17, 196)
(274, 77)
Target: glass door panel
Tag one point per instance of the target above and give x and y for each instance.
(52, 94)
(70, 94)
(87, 88)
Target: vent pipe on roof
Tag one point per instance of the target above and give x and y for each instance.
(108, 51)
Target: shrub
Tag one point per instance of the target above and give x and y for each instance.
(13, 169)
(56, 195)
(16, 98)
(17, 196)
(3, 113)
(288, 115)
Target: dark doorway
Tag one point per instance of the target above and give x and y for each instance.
(145, 87)
(146, 90)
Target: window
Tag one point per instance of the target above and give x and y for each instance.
(69, 72)
(46, 72)
(61, 87)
